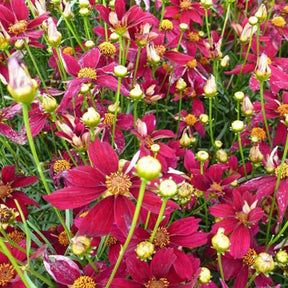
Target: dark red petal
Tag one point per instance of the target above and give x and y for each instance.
(139, 270)
(125, 283)
(23, 181)
(194, 240)
(8, 174)
(90, 59)
(240, 241)
(103, 157)
(73, 197)
(162, 262)
(184, 226)
(222, 210)
(20, 9)
(100, 218)
(71, 65)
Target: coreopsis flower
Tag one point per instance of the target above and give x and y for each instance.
(238, 219)
(121, 20)
(185, 11)
(159, 272)
(147, 135)
(86, 70)
(117, 186)
(192, 120)
(9, 189)
(213, 183)
(15, 20)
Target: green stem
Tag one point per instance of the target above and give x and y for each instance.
(135, 113)
(246, 8)
(257, 39)
(251, 280)
(220, 265)
(179, 112)
(35, 65)
(147, 220)
(136, 65)
(131, 231)
(242, 154)
(276, 188)
(37, 162)
(61, 64)
(280, 233)
(91, 263)
(13, 261)
(207, 26)
(86, 27)
(263, 111)
(210, 122)
(248, 50)
(162, 11)
(226, 19)
(180, 39)
(116, 110)
(159, 219)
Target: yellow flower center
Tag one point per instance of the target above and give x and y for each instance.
(84, 282)
(160, 50)
(242, 217)
(148, 142)
(6, 273)
(87, 72)
(192, 64)
(68, 51)
(258, 133)
(193, 37)
(284, 173)
(282, 109)
(190, 119)
(112, 241)
(166, 25)
(61, 165)
(285, 9)
(185, 5)
(154, 283)
(278, 22)
(118, 183)
(108, 119)
(5, 215)
(204, 60)
(19, 27)
(161, 238)
(249, 257)
(16, 236)
(5, 190)
(63, 238)
(107, 49)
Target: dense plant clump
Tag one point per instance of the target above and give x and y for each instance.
(143, 144)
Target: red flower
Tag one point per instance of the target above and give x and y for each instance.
(15, 21)
(117, 187)
(238, 218)
(9, 192)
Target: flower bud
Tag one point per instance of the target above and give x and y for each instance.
(80, 244)
(84, 3)
(91, 118)
(253, 20)
(155, 148)
(167, 188)
(255, 154)
(286, 120)
(85, 87)
(185, 140)
(120, 71)
(19, 44)
(84, 11)
(202, 156)
(247, 107)
(152, 55)
(261, 13)
(21, 86)
(53, 35)
(112, 108)
(264, 263)
(282, 257)
(89, 44)
(210, 89)
(222, 156)
(218, 144)
(204, 276)
(148, 168)
(204, 118)
(49, 104)
(181, 84)
(262, 70)
(7, 216)
(246, 33)
(185, 190)
(183, 27)
(220, 241)
(239, 96)
(136, 93)
(225, 61)
(145, 250)
(206, 4)
(114, 37)
(237, 126)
